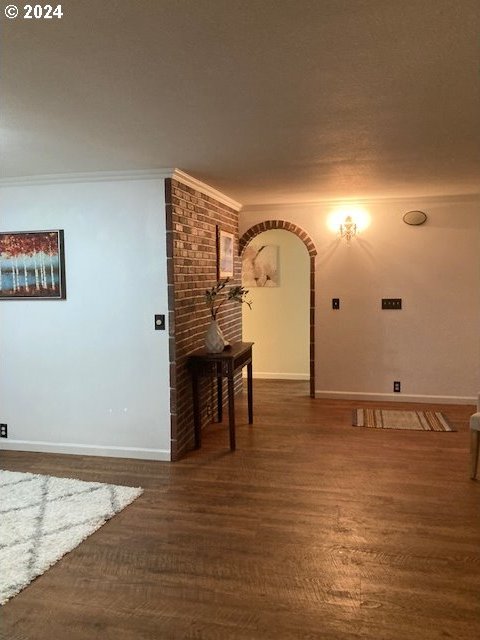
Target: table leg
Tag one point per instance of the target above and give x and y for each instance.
(231, 410)
(196, 412)
(474, 451)
(250, 392)
(219, 396)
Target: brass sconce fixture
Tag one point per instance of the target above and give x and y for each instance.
(348, 229)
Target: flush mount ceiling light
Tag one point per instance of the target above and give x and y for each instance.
(415, 217)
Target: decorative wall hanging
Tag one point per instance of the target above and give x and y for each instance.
(225, 243)
(32, 265)
(260, 266)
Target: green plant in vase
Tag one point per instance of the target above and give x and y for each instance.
(215, 298)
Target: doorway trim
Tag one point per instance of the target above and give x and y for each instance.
(248, 236)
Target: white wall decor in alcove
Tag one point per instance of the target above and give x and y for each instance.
(260, 265)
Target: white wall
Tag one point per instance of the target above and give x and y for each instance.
(278, 322)
(89, 374)
(433, 344)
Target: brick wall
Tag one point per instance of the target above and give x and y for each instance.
(192, 218)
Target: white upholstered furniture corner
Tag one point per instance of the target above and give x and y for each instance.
(475, 440)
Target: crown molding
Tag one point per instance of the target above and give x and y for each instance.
(411, 201)
(198, 185)
(95, 176)
(120, 176)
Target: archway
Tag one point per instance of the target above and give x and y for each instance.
(305, 238)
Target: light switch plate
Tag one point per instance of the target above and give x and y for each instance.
(159, 322)
(391, 303)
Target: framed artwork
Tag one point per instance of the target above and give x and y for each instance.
(260, 266)
(32, 265)
(225, 242)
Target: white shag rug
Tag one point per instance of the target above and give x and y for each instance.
(42, 518)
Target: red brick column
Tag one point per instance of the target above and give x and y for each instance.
(192, 218)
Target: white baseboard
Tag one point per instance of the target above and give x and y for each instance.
(278, 376)
(86, 450)
(394, 397)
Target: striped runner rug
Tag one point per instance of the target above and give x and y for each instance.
(406, 420)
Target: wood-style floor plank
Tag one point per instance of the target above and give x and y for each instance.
(312, 529)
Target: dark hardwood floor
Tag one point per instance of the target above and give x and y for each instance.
(312, 529)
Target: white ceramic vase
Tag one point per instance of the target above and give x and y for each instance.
(214, 339)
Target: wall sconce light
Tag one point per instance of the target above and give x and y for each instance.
(348, 220)
(348, 229)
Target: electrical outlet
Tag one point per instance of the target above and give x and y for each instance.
(396, 386)
(3, 431)
(335, 303)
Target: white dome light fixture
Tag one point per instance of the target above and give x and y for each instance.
(415, 218)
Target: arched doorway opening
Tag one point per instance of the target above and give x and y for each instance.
(305, 238)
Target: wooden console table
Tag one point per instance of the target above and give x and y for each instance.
(221, 365)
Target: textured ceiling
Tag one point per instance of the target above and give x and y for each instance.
(266, 100)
